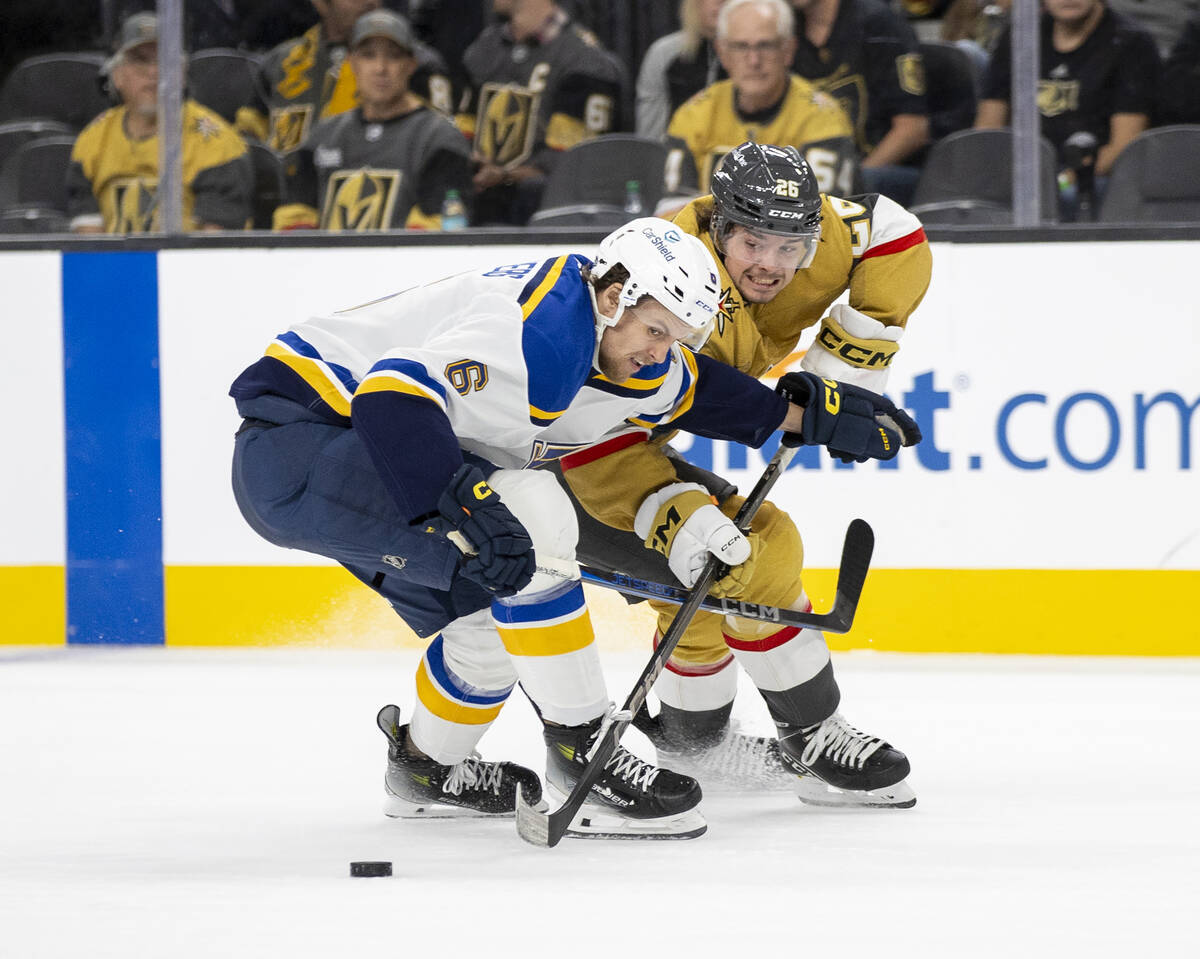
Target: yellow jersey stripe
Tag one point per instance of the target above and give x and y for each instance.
(391, 383)
(451, 710)
(556, 639)
(328, 387)
(544, 287)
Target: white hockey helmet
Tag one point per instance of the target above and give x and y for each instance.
(666, 263)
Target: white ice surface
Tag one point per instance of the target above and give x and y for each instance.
(188, 803)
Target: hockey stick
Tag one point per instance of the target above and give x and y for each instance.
(835, 621)
(546, 829)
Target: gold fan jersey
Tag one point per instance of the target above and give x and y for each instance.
(709, 125)
(870, 63)
(528, 101)
(870, 246)
(361, 175)
(113, 181)
(307, 79)
(503, 360)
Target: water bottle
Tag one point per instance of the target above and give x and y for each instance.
(454, 214)
(633, 198)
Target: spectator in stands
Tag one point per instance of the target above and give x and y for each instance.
(974, 26)
(678, 66)
(538, 84)
(1180, 98)
(1099, 77)
(307, 79)
(113, 176)
(865, 54)
(386, 164)
(760, 101)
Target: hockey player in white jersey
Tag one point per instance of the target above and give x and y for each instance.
(397, 437)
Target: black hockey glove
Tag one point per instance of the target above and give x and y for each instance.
(853, 423)
(497, 550)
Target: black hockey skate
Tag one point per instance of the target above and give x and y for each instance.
(425, 789)
(631, 800)
(838, 765)
(720, 756)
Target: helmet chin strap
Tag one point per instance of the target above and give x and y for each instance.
(603, 322)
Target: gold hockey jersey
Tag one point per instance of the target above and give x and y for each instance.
(112, 180)
(709, 125)
(870, 246)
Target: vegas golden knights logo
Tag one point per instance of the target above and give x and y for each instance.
(911, 70)
(506, 124)
(289, 127)
(360, 200)
(850, 91)
(135, 204)
(1055, 97)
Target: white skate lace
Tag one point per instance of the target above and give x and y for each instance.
(634, 771)
(474, 773)
(626, 765)
(841, 742)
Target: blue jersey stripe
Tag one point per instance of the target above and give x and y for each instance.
(113, 459)
(304, 348)
(411, 368)
(571, 600)
(462, 691)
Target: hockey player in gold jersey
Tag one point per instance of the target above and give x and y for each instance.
(112, 179)
(785, 254)
(760, 101)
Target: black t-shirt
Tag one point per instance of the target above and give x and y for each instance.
(1115, 70)
(870, 63)
(1180, 100)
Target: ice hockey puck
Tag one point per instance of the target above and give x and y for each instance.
(365, 869)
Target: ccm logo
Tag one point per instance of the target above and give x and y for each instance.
(852, 353)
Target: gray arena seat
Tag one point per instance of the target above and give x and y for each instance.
(55, 86)
(222, 79)
(973, 170)
(1156, 178)
(597, 170)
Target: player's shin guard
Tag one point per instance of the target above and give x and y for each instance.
(463, 680)
(549, 637)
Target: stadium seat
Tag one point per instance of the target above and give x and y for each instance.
(268, 183)
(16, 132)
(55, 86)
(950, 88)
(36, 173)
(1156, 178)
(596, 171)
(580, 214)
(973, 168)
(32, 219)
(222, 79)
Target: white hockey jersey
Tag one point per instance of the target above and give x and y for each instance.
(502, 359)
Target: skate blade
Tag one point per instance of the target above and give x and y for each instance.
(595, 821)
(396, 807)
(813, 792)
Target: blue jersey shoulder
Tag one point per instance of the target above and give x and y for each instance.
(558, 337)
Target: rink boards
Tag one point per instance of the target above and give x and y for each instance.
(1053, 507)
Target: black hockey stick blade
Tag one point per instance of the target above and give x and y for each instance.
(857, 550)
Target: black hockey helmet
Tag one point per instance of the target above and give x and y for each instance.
(767, 188)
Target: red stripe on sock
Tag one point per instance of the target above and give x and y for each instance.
(773, 641)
